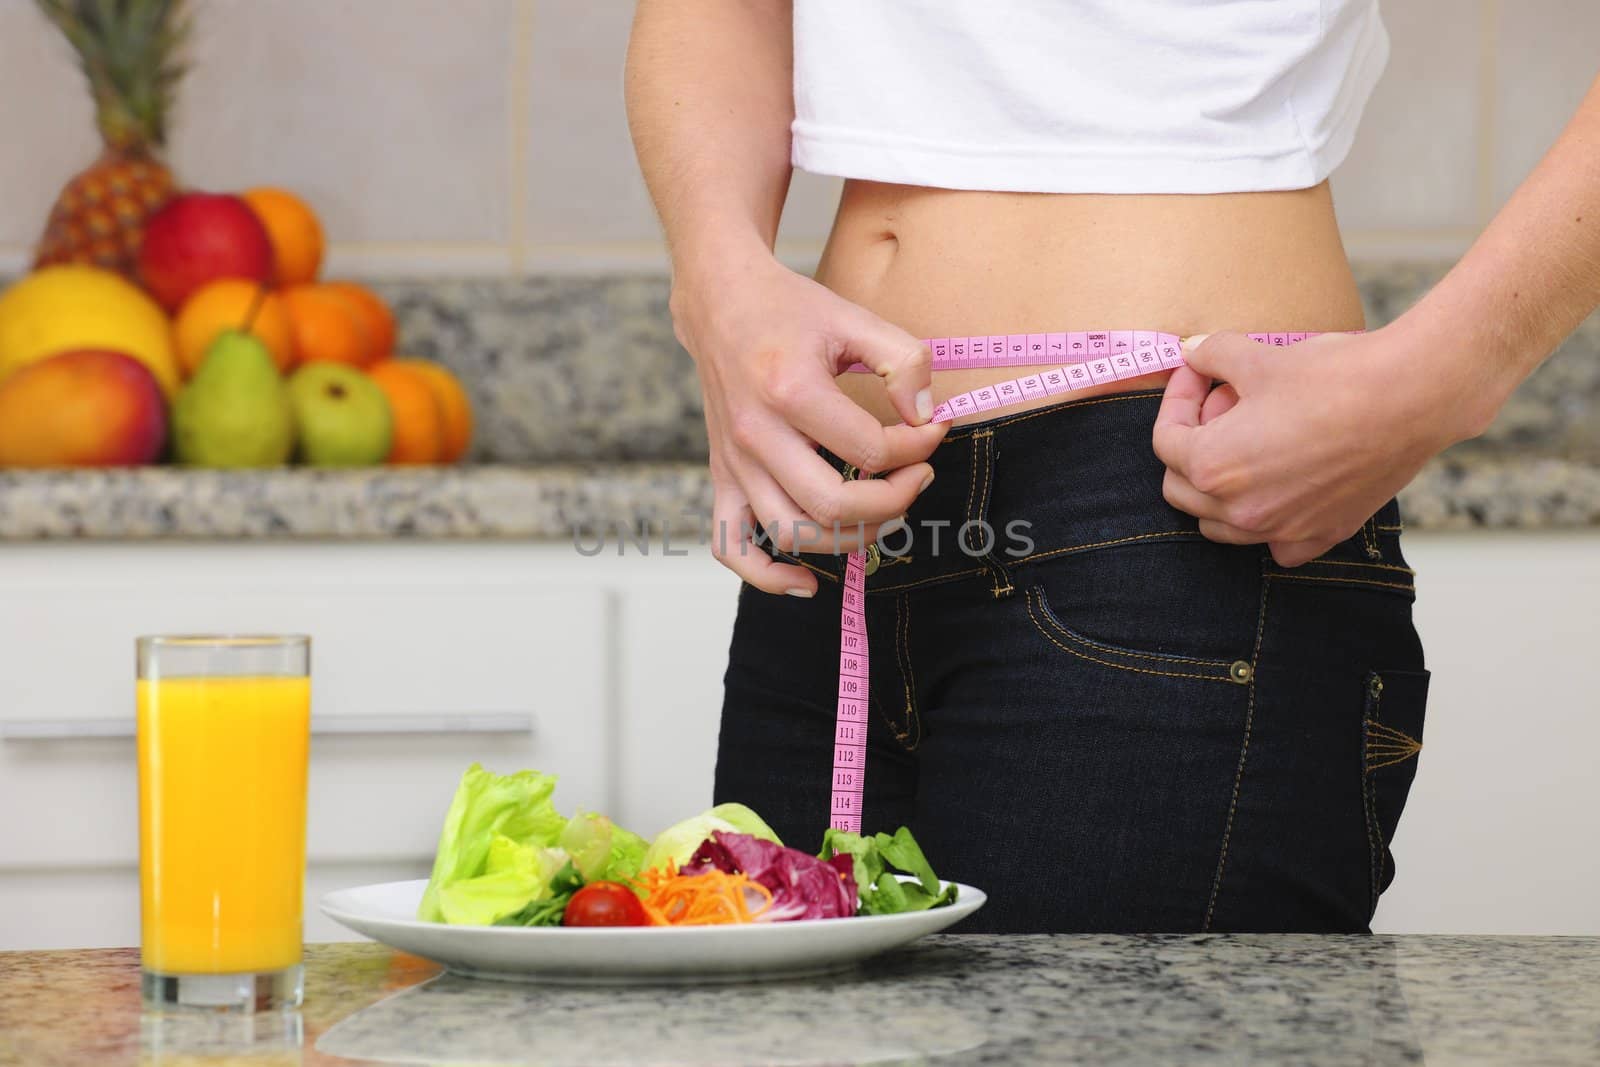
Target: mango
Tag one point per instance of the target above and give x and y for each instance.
(88, 408)
(75, 308)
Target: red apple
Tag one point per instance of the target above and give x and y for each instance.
(86, 408)
(199, 238)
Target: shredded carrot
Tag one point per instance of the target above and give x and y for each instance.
(712, 898)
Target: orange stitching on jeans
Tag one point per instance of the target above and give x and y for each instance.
(952, 576)
(1407, 586)
(1392, 742)
(972, 480)
(794, 558)
(1391, 762)
(900, 735)
(988, 481)
(1369, 538)
(1044, 604)
(1356, 563)
(982, 495)
(1050, 409)
(997, 570)
(909, 676)
(1396, 528)
(1369, 801)
(1102, 544)
(1107, 663)
(1244, 750)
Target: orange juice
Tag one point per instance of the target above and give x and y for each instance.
(222, 815)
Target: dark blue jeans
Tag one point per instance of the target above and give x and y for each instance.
(1085, 708)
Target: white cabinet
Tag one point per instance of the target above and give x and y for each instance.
(456, 634)
(1501, 833)
(617, 663)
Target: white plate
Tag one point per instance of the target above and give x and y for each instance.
(639, 953)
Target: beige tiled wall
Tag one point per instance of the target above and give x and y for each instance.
(487, 136)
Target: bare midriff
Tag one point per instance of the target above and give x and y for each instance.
(944, 263)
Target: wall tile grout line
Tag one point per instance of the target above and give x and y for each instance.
(1488, 105)
(523, 26)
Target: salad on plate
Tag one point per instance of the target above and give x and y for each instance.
(507, 857)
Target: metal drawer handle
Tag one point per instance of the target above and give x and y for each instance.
(323, 725)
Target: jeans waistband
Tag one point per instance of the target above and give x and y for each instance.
(1073, 476)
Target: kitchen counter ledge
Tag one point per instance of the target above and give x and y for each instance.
(1464, 489)
(962, 1000)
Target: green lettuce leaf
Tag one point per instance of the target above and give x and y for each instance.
(876, 859)
(601, 850)
(516, 807)
(515, 875)
(552, 908)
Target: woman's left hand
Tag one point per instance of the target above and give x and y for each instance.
(1303, 444)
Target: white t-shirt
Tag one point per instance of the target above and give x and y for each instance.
(1083, 96)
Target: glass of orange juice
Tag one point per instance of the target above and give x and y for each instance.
(224, 733)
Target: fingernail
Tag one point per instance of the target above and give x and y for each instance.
(925, 406)
(1192, 342)
(800, 590)
(923, 488)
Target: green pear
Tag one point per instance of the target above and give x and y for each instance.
(344, 417)
(235, 411)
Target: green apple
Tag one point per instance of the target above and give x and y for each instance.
(344, 417)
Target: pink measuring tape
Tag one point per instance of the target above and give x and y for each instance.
(1090, 358)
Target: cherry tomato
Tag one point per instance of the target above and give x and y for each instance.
(605, 904)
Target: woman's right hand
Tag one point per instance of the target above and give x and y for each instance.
(768, 344)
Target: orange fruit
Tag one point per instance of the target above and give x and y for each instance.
(326, 328)
(453, 405)
(419, 427)
(228, 305)
(296, 233)
(374, 314)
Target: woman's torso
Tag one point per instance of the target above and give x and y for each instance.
(943, 263)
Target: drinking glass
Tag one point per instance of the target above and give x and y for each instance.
(224, 732)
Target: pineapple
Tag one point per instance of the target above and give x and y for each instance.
(129, 51)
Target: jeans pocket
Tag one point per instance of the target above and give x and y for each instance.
(1136, 661)
(1391, 741)
(1184, 608)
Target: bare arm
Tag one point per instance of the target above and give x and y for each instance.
(1298, 451)
(1528, 281)
(710, 102)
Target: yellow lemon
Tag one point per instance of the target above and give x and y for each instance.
(61, 309)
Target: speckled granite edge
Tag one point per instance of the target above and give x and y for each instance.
(1515, 492)
(556, 501)
(976, 1001)
(572, 501)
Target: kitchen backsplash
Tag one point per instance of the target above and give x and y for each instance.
(487, 137)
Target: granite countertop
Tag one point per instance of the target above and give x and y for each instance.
(969, 1000)
(589, 415)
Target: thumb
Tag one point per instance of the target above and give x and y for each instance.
(1225, 357)
(903, 362)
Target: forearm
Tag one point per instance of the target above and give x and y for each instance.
(710, 101)
(1527, 282)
